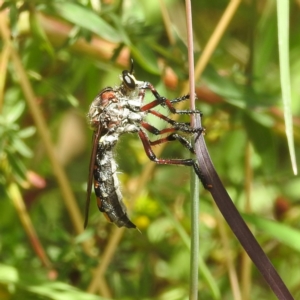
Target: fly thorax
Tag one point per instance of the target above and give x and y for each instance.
(136, 117)
(133, 105)
(130, 128)
(109, 140)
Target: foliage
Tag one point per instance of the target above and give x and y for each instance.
(70, 50)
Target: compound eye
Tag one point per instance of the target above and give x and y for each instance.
(128, 80)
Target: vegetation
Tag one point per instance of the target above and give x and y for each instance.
(55, 57)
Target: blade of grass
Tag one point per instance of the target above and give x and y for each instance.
(283, 40)
(230, 263)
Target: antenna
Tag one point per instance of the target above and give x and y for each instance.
(131, 70)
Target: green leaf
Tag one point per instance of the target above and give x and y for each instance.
(40, 34)
(21, 147)
(61, 291)
(27, 132)
(17, 166)
(224, 87)
(72, 100)
(87, 19)
(8, 274)
(281, 232)
(263, 140)
(284, 61)
(87, 234)
(13, 113)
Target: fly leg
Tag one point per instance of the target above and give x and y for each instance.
(180, 126)
(160, 100)
(181, 162)
(173, 136)
(179, 99)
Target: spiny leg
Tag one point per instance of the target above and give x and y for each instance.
(187, 111)
(160, 100)
(183, 162)
(173, 136)
(180, 126)
(179, 99)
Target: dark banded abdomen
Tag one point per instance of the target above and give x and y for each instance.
(107, 189)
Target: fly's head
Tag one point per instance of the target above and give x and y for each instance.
(130, 85)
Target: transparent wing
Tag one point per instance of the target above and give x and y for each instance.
(96, 137)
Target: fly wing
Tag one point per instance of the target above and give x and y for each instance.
(96, 137)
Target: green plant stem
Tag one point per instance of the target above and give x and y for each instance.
(186, 240)
(4, 58)
(194, 256)
(245, 260)
(194, 259)
(18, 202)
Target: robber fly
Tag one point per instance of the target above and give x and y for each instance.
(120, 110)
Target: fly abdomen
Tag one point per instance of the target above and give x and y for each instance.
(107, 189)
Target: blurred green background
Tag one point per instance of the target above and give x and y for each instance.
(66, 52)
